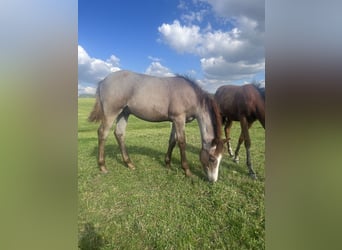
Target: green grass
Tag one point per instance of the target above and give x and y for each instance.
(156, 208)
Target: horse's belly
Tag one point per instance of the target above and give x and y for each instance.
(152, 114)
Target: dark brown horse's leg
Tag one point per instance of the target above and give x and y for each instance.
(236, 154)
(180, 134)
(227, 127)
(119, 133)
(172, 144)
(102, 133)
(244, 129)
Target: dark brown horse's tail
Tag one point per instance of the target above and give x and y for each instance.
(97, 112)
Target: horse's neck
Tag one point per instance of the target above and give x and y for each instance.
(206, 128)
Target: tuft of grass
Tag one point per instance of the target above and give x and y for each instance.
(156, 208)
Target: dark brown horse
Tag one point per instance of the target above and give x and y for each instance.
(246, 104)
(155, 99)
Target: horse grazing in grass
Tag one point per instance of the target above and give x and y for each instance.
(246, 104)
(156, 99)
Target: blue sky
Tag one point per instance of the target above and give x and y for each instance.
(214, 41)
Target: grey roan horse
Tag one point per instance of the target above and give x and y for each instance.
(155, 99)
(246, 104)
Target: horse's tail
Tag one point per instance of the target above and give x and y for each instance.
(97, 112)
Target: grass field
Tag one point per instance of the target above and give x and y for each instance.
(156, 208)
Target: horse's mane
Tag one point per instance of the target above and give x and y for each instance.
(215, 111)
(208, 100)
(192, 82)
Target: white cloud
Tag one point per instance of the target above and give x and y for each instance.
(239, 50)
(220, 69)
(233, 54)
(194, 16)
(182, 5)
(86, 89)
(181, 38)
(156, 69)
(227, 44)
(92, 70)
(262, 84)
(157, 59)
(229, 9)
(114, 61)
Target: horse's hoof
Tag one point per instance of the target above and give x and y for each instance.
(131, 166)
(103, 170)
(253, 176)
(188, 173)
(236, 160)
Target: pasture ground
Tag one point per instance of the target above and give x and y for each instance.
(156, 208)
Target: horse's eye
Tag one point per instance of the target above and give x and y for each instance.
(212, 158)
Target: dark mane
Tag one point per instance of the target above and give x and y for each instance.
(208, 100)
(199, 91)
(215, 115)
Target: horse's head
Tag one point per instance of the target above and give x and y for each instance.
(211, 159)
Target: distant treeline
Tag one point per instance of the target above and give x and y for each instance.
(86, 95)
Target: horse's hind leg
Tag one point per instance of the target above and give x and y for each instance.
(227, 127)
(172, 144)
(120, 137)
(244, 130)
(102, 133)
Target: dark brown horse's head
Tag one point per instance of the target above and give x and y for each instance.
(211, 159)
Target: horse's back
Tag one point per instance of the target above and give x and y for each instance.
(130, 83)
(148, 97)
(236, 101)
(233, 100)
(226, 98)
(234, 94)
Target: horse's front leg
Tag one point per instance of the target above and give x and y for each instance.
(227, 127)
(180, 134)
(236, 154)
(244, 130)
(172, 144)
(120, 137)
